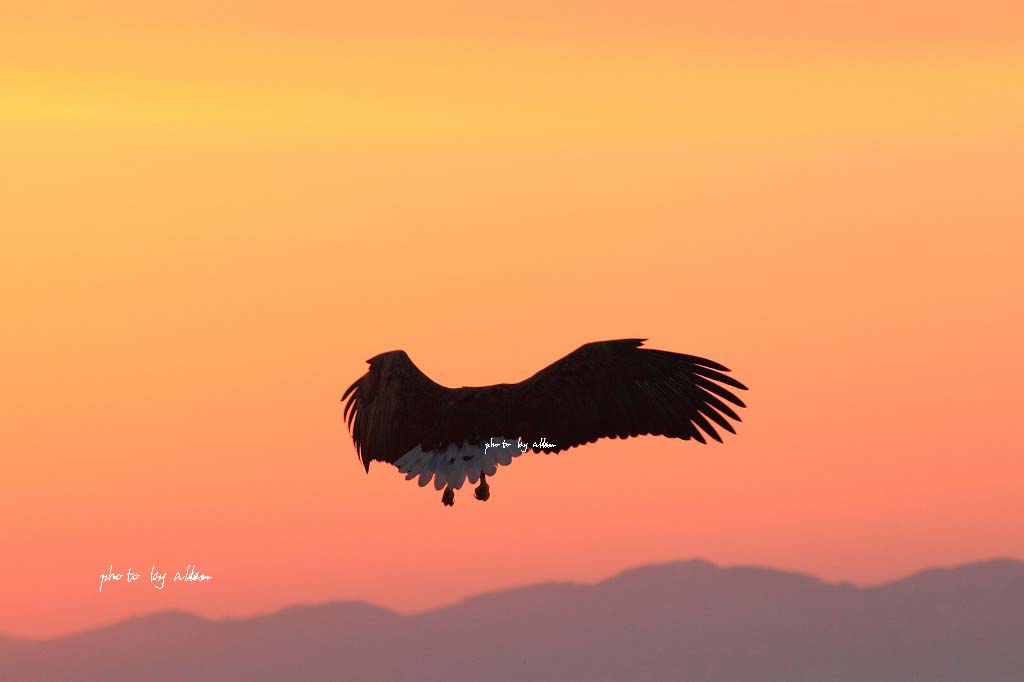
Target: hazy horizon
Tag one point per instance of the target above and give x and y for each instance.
(686, 562)
(683, 620)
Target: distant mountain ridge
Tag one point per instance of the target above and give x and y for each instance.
(689, 620)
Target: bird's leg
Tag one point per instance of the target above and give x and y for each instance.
(448, 497)
(483, 491)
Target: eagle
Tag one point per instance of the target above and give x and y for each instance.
(606, 389)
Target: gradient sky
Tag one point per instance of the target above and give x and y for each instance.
(210, 217)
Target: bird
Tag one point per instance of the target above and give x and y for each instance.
(604, 389)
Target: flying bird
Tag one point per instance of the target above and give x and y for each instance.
(605, 389)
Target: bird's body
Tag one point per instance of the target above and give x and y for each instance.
(606, 389)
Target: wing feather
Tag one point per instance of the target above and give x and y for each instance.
(392, 408)
(612, 389)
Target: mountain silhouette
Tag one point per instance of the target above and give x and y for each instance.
(690, 620)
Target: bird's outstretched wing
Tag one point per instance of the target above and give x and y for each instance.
(616, 389)
(395, 408)
(392, 408)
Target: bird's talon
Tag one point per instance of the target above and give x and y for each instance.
(448, 497)
(482, 492)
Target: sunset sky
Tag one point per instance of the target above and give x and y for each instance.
(211, 216)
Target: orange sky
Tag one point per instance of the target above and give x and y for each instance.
(210, 219)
